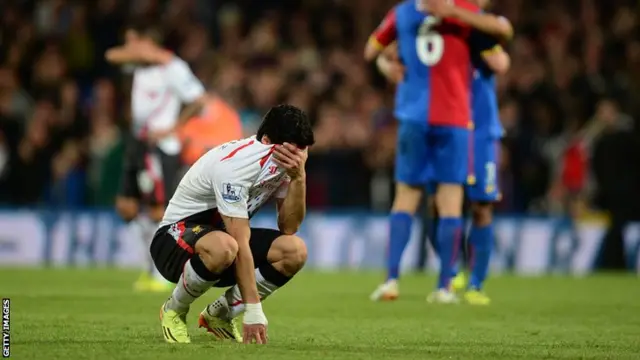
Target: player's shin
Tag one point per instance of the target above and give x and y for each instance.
(481, 243)
(449, 198)
(400, 224)
(197, 277)
(449, 234)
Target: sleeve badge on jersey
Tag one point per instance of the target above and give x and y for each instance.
(231, 193)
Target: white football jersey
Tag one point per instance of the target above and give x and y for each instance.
(157, 96)
(234, 179)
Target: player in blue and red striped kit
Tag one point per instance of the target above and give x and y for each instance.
(437, 43)
(485, 191)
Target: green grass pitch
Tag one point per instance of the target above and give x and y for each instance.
(93, 314)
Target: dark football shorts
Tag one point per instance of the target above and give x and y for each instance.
(149, 174)
(174, 244)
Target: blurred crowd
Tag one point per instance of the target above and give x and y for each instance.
(569, 105)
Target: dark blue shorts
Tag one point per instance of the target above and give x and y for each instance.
(448, 155)
(411, 154)
(432, 154)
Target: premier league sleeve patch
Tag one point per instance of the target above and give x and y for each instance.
(231, 193)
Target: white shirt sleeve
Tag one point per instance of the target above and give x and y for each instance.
(183, 81)
(231, 188)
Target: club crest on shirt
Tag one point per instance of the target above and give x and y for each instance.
(231, 192)
(174, 231)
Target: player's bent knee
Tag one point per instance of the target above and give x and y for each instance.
(218, 250)
(288, 253)
(127, 208)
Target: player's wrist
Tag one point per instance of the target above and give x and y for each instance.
(299, 176)
(253, 307)
(253, 314)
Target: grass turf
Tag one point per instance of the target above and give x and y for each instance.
(82, 314)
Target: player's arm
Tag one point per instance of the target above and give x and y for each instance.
(491, 52)
(232, 195)
(389, 65)
(188, 87)
(128, 54)
(292, 208)
(239, 229)
(192, 109)
(497, 59)
(491, 24)
(121, 55)
(383, 36)
(236, 223)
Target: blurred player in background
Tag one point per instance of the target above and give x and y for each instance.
(437, 42)
(487, 133)
(205, 238)
(162, 82)
(485, 191)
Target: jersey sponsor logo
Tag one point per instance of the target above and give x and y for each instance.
(231, 192)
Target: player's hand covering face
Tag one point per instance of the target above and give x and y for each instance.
(291, 159)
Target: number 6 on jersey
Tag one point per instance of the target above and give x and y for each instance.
(429, 43)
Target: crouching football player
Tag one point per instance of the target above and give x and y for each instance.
(205, 239)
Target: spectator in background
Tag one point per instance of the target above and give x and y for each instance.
(217, 123)
(78, 43)
(616, 155)
(30, 170)
(14, 99)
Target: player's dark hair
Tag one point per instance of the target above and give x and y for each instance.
(146, 30)
(287, 124)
